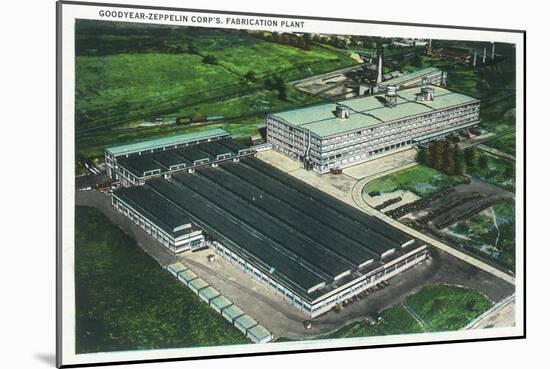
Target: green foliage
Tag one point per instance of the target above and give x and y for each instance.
(210, 59)
(421, 180)
(496, 170)
(505, 143)
(395, 320)
(422, 156)
(447, 308)
(471, 157)
(441, 307)
(442, 156)
(130, 73)
(126, 301)
(494, 84)
(250, 76)
(482, 234)
(459, 161)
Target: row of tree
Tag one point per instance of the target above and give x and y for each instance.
(450, 159)
(300, 41)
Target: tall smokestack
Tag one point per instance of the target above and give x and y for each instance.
(379, 77)
(484, 54)
(430, 46)
(493, 52)
(475, 58)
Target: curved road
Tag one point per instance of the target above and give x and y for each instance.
(357, 196)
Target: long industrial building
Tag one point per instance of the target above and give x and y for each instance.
(340, 134)
(418, 78)
(135, 163)
(310, 248)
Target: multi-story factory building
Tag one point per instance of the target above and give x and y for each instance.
(418, 78)
(340, 134)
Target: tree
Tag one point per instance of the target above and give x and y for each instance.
(282, 93)
(250, 76)
(471, 157)
(192, 49)
(422, 156)
(210, 59)
(460, 165)
(430, 155)
(448, 158)
(483, 162)
(438, 155)
(510, 171)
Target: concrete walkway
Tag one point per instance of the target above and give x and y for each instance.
(496, 152)
(502, 314)
(359, 201)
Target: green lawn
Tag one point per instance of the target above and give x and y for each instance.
(441, 307)
(491, 232)
(127, 74)
(499, 171)
(126, 301)
(447, 308)
(421, 180)
(505, 143)
(395, 320)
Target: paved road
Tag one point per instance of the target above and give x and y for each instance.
(496, 152)
(102, 202)
(357, 196)
(278, 316)
(501, 314)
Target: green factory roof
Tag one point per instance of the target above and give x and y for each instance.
(166, 141)
(368, 111)
(408, 76)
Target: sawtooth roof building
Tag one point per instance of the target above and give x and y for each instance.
(310, 248)
(135, 163)
(340, 134)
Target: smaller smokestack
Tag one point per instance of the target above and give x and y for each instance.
(493, 52)
(484, 54)
(379, 77)
(475, 58)
(430, 46)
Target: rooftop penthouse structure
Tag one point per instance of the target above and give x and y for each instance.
(344, 133)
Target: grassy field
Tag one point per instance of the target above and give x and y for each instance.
(395, 320)
(126, 301)
(505, 143)
(492, 232)
(440, 307)
(129, 74)
(446, 308)
(421, 180)
(499, 171)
